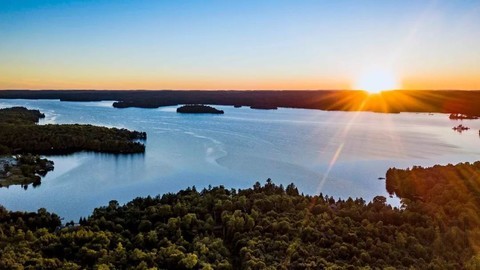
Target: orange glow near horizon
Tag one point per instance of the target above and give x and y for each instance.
(371, 82)
(63, 84)
(35, 78)
(377, 81)
(374, 81)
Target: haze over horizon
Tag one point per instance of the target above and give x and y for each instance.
(262, 45)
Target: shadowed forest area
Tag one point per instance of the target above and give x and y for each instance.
(20, 134)
(264, 227)
(455, 101)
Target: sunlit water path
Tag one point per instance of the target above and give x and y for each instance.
(338, 153)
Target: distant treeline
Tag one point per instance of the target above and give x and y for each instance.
(465, 102)
(264, 227)
(20, 134)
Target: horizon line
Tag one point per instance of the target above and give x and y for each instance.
(238, 90)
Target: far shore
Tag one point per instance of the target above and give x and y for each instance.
(430, 101)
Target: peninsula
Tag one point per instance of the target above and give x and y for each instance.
(22, 141)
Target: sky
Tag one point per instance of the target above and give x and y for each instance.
(259, 44)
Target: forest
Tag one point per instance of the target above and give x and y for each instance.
(22, 137)
(446, 101)
(20, 134)
(264, 227)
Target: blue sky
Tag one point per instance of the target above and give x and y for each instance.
(237, 45)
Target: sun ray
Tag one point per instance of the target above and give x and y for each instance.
(341, 134)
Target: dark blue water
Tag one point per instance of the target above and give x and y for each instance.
(337, 153)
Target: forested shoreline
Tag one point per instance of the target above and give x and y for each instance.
(69, 138)
(20, 134)
(263, 227)
(446, 101)
(22, 140)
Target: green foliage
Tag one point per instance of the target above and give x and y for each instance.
(266, 227)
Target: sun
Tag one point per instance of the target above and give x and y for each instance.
(377, 81)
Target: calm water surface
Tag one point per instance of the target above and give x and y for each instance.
(337, 153)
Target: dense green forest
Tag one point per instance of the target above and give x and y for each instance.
(20, 134)
(264, 227)
(450, 194)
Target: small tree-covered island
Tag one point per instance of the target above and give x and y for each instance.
(198, 108)
(263, 227)
(22, 140)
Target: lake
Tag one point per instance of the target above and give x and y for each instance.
(341, 154)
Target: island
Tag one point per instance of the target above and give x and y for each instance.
(460, 116)
(198, 108)
(263, 107)
(22, 140)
